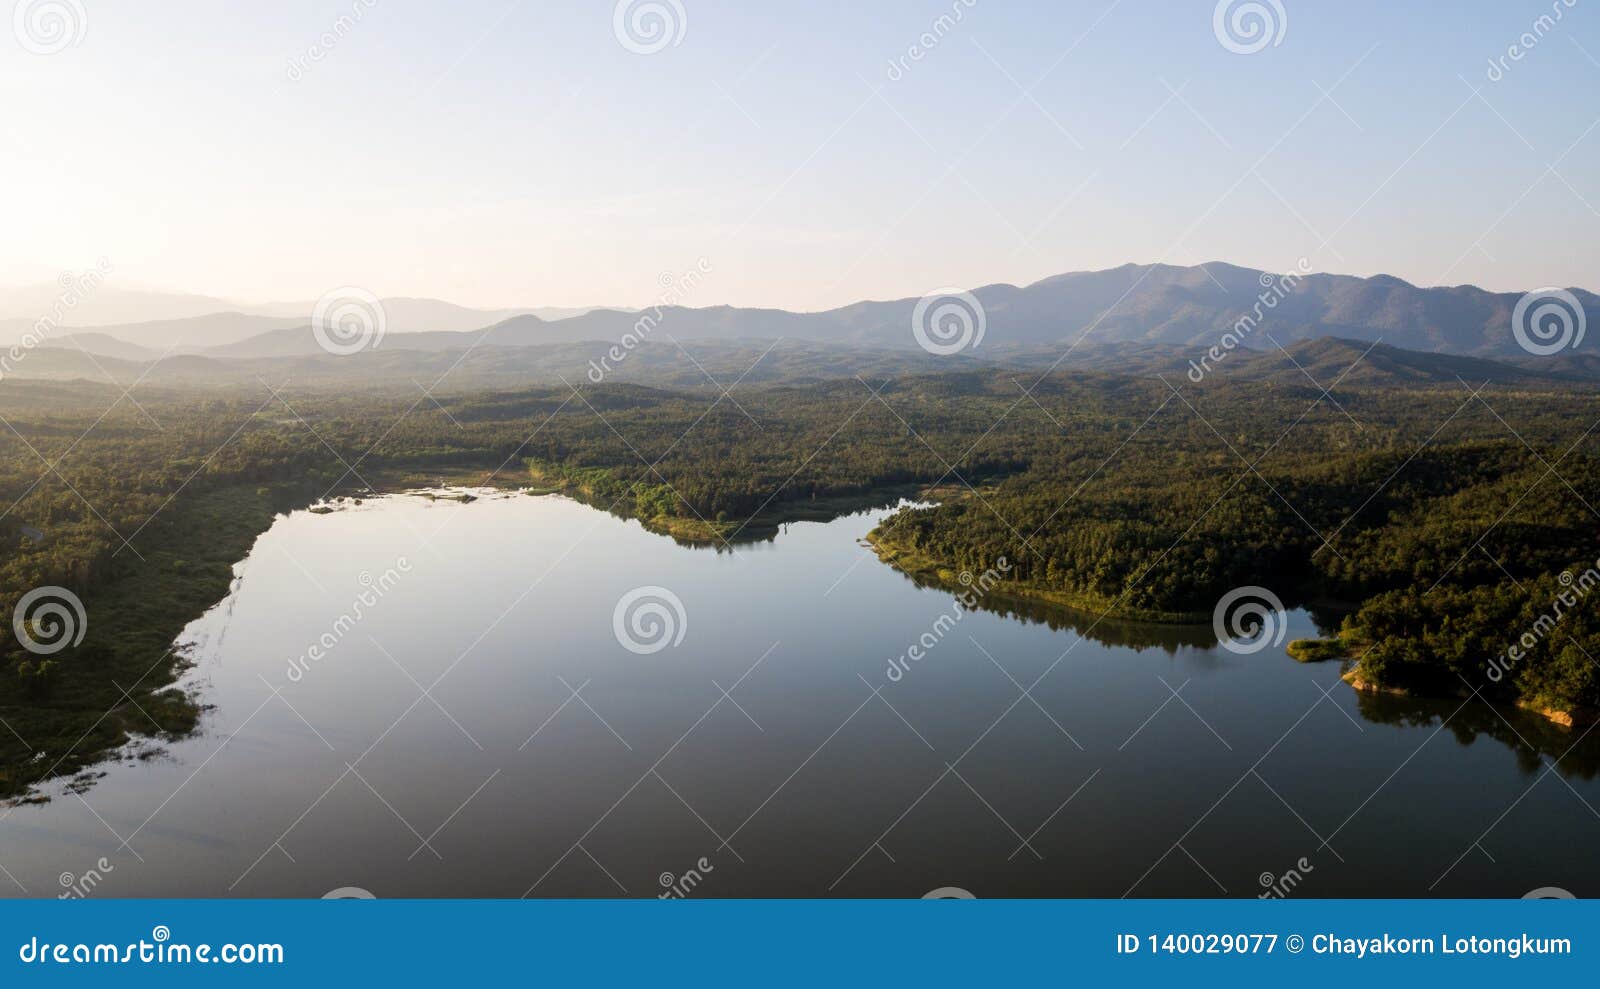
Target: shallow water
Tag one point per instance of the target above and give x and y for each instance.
(477, 727)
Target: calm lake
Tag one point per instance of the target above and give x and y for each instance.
(475, 723)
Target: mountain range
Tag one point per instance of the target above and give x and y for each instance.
(1142, 306)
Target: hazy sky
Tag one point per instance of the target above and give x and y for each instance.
(517, 153)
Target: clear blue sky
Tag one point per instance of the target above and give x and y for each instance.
(516, 153)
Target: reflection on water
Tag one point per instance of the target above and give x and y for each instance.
(475, 723)
(1106, 631)
(1536, 741)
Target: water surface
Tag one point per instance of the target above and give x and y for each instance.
(474, 726)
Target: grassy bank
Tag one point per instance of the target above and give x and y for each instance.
(1318, 650)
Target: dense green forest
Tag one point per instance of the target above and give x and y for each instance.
(1442, 518)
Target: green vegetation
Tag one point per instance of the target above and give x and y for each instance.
(1516, 640)
(1317, 650)
(1442, 520)
(910, 560)
(654, 505)
(67, 720)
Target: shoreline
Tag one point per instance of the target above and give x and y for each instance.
(136, 616)
(912, 562)
(706, 532)
(1557, 716)
(135, 619)
(1310, 651)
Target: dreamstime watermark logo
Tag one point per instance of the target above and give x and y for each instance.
(349, 320)
(930, 39)
(1274, 289)
(373, 590)
(328, 40)
(649, 619)
(965, 602)
(1548, 893)
(679, 887)
(1249, 619)
(48, 619)
(1279, 887)
(1574, 591)
(1529, 39)
(348, 893)
(49, 27)
(1547, 321)
(75, 288)
(948, 321)
(674, 289)
(646, 27)
(1245, 27)
(79, 887)
(948, 893)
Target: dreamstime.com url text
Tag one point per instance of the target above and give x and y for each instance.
(158, 951)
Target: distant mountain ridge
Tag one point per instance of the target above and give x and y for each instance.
(1154, 304)
(1188, 307)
